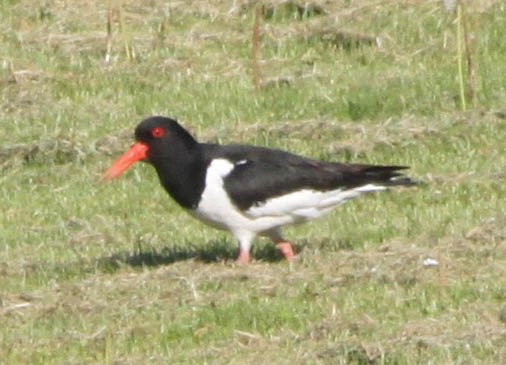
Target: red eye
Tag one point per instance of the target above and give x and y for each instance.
(158, 132)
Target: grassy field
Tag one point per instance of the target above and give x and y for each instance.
(116, 273)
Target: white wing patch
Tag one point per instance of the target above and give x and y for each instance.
(308, 204)
(241, 162)
(217, 170)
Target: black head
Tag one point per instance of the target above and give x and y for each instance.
(173, 152)
(163, 136)
(176, 156)
(154, 129)
(160, 141)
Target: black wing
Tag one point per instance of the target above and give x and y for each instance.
(261, 173)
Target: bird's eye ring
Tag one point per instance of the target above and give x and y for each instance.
(158, 132)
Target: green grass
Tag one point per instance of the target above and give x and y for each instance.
(118, 274)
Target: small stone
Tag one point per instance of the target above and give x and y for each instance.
(428, 262)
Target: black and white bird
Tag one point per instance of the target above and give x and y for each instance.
(249, 190)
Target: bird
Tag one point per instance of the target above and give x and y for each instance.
(249, 190)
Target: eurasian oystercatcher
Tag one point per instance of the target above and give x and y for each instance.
(248, 190)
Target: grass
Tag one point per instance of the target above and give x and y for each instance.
(118, 274)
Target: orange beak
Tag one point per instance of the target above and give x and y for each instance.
(138, 152)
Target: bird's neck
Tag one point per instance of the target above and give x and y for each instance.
(182, 174)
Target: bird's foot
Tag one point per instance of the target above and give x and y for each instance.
(287, 250)
(243, 257)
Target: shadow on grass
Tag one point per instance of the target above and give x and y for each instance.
(212, 251)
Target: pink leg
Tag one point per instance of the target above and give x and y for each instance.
(283, 245)
(245, 239)
(286, 249)
(243, 257)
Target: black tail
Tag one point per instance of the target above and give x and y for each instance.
(387, 175)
